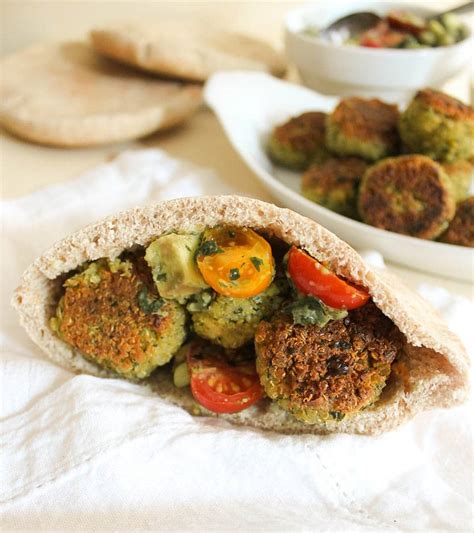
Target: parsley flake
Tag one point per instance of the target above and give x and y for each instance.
(209, 247)
(257, 262)
(234, 274)
(149, 305)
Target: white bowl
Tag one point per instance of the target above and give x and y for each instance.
(249, 105)
(391, 74)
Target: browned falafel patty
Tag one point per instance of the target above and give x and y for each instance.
(445, 105)
(439, 126)
(303, 132)
(461, 229)
(407, 194)
(363, 128)
(112, 314)
(334, 184)
(299, 141)
(461, 174)
(316, 373)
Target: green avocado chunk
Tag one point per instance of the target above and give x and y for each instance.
(181, 376)
(171, 259)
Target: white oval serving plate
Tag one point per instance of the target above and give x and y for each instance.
(249, 105)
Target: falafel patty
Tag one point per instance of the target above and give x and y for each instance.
(112, 314)
(461, 229)
(231, 322)
(439, 126)
(327, 373)
(461, 174)
(334, 184)
(299, 141)
(407, 194)
(363, 128)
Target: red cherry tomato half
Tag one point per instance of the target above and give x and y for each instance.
(312, 278)
(370, 43)
(223, 388)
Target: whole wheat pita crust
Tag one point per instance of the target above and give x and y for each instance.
(436, 360)
(64, 94)
(185, 51)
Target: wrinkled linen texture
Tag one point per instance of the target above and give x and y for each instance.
(83, 453)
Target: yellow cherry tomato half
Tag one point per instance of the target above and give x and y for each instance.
(235, 261)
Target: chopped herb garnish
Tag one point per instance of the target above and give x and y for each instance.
(160, 277)
(209, 247)
(231, 234)
(310, 310)
(234, 274)
(257, 262)
(149, 305)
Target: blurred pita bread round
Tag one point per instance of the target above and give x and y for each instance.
(186, 51)
(65, 94)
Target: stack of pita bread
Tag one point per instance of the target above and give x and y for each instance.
(128, 82)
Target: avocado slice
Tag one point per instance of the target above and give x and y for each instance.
(174, 270)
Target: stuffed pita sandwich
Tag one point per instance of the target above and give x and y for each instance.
(233, 307)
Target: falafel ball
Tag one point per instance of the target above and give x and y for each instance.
(363, 128)
(461, 229)
(299, 141)
(461, 174)
(231, 322)
(334, 184)
(438, 126)
(111, 313)
(319, 374)
(408, 194)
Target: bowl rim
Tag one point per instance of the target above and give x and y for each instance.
(366, 51)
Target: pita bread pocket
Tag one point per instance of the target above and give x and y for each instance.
(66, 95)
(185, 51)
(431, 369)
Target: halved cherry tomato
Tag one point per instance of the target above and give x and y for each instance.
(235, 261)
(381, 36)
(311, 277)
(370, 42)
(220, 387)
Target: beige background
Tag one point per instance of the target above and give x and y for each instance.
(26, 167)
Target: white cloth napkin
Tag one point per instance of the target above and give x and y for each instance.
(82, 453)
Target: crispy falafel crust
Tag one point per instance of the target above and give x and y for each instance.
(363, 128)
(298, 141)
(334, 184)
(104, 321)
(339, 369)
(407, 194)
(302, 132)
(445, 105)
(460, 174)
(439, 126)
(461, 229)
(436, 362)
